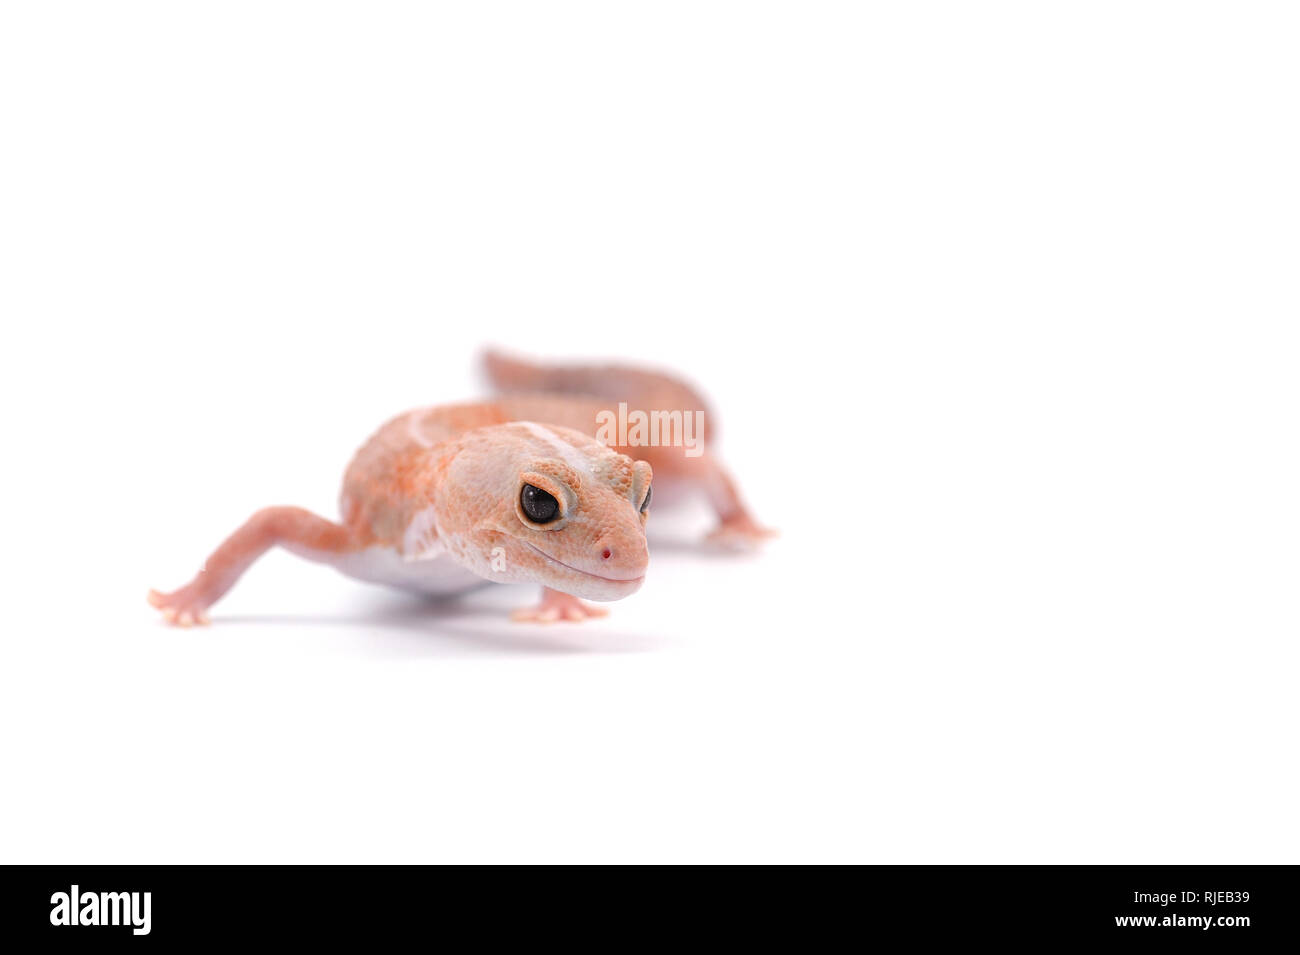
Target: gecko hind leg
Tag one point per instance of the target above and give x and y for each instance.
(556, 605)
(293, 528)
(737, 529)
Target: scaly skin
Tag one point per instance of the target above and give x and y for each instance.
(572, 395)
(432, 501)
(432, 488)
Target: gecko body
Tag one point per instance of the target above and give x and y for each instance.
(514, 489)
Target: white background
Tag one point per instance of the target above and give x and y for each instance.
(997, 304)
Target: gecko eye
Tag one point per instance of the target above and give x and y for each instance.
(645, 505)
(539, 505)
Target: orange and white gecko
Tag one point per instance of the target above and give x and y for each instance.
(512, 489)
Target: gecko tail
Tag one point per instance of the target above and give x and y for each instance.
(641, 388)
(507, 374)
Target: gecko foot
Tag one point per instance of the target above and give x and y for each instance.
(741, 532)
(182, 608)
(556, 606)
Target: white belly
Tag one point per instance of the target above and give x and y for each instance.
(438, 576)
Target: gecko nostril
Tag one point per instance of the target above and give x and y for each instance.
(607, 553)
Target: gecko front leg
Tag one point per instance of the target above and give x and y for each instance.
(293, 528)
(556, 605)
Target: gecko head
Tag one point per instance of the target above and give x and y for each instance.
(549, 505)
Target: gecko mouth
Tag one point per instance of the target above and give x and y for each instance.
(587, 573)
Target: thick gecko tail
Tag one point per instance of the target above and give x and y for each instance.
(512, 374)
(641, 388)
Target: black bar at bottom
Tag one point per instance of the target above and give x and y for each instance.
(365, 906)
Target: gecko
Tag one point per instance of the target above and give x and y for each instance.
(512, 489)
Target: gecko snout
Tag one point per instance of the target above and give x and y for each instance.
(619, 558)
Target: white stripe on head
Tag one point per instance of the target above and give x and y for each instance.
(573, 457)
(415, 428)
